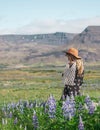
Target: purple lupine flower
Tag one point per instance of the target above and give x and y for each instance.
(68, 108)
(31, 105)
(72, 97)
(91, 108)
(72, 103)
(65, 109)
(51, 103)
(35, 121)
(90, 105)
(52, 110)
(72, 111)
(81, 125)
(13, 105)
(8, 107)
(15, 121)
(63, 97)
(80, 107)
(10, 114)
(21, 107)
(88, 100)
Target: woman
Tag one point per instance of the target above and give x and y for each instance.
(73, 76)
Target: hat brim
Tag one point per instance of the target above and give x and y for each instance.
(67, 53)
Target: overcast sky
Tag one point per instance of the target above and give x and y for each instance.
(47, 16)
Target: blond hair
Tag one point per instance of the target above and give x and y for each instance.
(79, 65)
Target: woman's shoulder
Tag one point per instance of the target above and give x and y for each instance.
(73, 65)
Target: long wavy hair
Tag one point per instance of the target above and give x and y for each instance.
(80, 66)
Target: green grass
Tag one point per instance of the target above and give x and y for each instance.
(39, 82)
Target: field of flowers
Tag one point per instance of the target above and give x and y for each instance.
(79, 113)
(25, 103)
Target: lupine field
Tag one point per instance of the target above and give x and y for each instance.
(30, 100)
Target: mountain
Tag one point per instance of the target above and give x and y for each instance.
(90, 35)
(32, 49)
(19, 50)
(57, 38)
(88, 42)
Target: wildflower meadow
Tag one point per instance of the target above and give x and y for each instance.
(79, 113)
(30, 100)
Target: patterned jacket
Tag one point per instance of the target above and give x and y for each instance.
(71, 77)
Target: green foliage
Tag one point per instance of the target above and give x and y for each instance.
(90, 121)
(36, 83)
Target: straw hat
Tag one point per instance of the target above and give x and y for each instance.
(74, 52)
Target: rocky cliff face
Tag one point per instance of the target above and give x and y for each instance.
(47, 48)
(57, 38)
(90, 35)
(88, 42)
